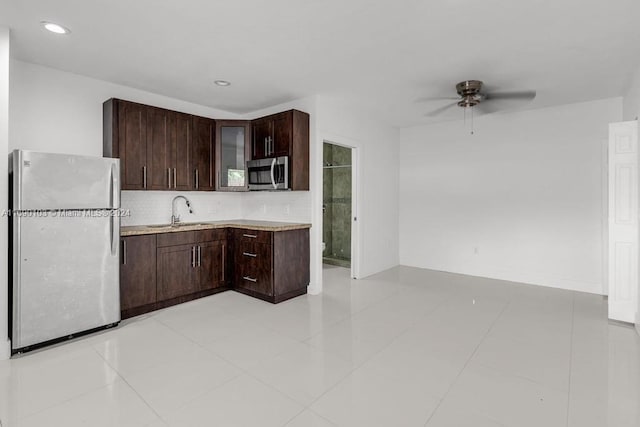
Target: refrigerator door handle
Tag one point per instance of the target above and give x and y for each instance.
(114, 193)
(115, 238)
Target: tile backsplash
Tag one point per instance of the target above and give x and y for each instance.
(287, 206)
(154, 207)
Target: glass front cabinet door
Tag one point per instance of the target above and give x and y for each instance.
(232, 152)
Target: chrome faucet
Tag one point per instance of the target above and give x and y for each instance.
(175, 219)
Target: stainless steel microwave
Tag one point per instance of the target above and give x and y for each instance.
(269, 174)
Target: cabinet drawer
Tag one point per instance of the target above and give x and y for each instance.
(252, 253)
(211, 235)
(246, 235)
(177, 238)
(254, 277)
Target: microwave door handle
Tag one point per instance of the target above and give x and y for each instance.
(276, 173)
(273, 179)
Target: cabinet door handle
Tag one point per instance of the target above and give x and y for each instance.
(266, 150)
(174, 178)
(124, 252)
(197, 179)
(251, 279)
(199, 256)
(251, 236)
(144, 177)
(193, 256)
(249, 254)
(168, 178)
(270, 145)
(223, 266)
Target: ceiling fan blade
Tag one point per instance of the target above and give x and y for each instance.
(489, 107)
(440, 110)
(437, 98)
(524, 95)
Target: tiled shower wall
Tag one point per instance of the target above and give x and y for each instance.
(336, 199)
(154, 207)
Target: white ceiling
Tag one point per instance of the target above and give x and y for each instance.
(384, 54)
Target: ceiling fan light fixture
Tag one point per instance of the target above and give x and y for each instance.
(471, 93)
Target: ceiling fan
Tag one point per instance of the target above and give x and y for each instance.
(471, 94)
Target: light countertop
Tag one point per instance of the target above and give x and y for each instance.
(135, 230)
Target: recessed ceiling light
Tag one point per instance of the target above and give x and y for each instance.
(55, 28)
(222, 83)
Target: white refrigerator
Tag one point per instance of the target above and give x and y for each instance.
(65, 234)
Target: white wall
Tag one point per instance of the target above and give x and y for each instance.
(5, 347)
(526, 190)
(56, 111)
(377, 165)
(631, 100)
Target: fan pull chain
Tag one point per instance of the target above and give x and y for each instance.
(471, 120)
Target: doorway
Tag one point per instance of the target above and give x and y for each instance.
(337, 184)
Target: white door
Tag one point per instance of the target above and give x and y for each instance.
(623, 220)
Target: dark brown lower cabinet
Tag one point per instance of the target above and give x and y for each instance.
(137, 274)
(190, 263)
(211, 265)
(176, 271)
(160, 270)
(273, 266)
(253, 267)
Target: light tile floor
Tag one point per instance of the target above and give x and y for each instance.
(406, 347)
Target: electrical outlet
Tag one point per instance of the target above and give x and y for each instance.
(287, 209)
(264, 209)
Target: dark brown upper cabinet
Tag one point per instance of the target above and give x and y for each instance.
(232, 152)
(203, 153)
(169, 150)
(262, 132)
(125, 137)
(162, 149)
(181, 155)
(284, 134)
(159, 149)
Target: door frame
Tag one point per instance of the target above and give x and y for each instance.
(356, 219)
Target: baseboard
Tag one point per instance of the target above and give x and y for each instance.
(5, 350)
(549, 282)
(314, 289)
